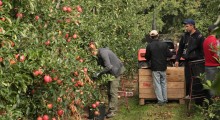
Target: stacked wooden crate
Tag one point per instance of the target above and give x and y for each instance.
(175, 84)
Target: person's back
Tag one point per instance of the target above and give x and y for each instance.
(210, 51)
(159, 53)
(109, 60)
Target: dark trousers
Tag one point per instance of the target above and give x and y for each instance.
(187, 77)
(113, 94)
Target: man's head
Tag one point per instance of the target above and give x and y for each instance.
(189, 25)
(154, 34)
(93, 49)
(211, 28)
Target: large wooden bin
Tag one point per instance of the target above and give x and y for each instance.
(175, 84)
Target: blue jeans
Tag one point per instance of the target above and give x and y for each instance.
(210, 74)
(160, 85)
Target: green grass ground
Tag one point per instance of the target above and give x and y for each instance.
(151, 111)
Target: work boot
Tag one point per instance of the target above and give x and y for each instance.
(110, 114)
(160, 103)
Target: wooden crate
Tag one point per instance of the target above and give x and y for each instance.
(175, 84)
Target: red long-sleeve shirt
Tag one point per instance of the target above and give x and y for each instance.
(210, 51)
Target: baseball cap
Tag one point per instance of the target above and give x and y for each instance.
(153, 33)
(189, 21)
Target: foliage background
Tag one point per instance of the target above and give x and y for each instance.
(118, 24)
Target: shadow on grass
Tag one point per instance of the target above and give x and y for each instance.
(151, 111)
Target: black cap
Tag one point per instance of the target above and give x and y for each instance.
(189, 21)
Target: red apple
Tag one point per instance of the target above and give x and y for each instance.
(1, 3)
(35, 72)
(76, 85)
(97, 103)
(94, 106)
(55, 78)
(80, 83)
(76, 73)
(47, 42)
(59, 21)
(54, 119)
(59, 82)
(85, 70)
(39, 118)
(97, 113)
(49, 106)
(65, 8)
(60, 112)
(75, 35)
(69, 9)
(19, 15)
(40, 72)
(47, 79)
(1, 59)
(46, 117)
(81, 60)
(67, 35)
(59, 99)
(72, 79)
(22, 58)
(37, 18)
(79, 9)
(12, 44)
(68, 40)
(2, 19)
(17, 55)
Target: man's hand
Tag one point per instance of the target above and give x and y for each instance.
(95, 75)
(176, 64)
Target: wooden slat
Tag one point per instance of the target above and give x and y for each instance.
(169, 96)
(144, 72)
(151, 91)
(175, 78)
(146, 85)
(176, 85)
(169, 85)
(141, 101)
(175, 71)
(170, 78)
(150, 96)
(145, 78)
(169, 71)
(146, 91)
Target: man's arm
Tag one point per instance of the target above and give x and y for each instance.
(201, 40)
(107, 65)
(181, 48)
(148, 53)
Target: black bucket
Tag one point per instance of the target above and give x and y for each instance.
(101, 116)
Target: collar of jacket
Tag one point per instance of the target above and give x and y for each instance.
(197, 32)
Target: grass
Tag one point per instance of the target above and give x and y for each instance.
(151, 111)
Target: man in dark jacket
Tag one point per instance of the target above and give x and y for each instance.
(190, 48)
(112, 65)
(157, 52)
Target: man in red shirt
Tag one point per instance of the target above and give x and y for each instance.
(210, 52)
